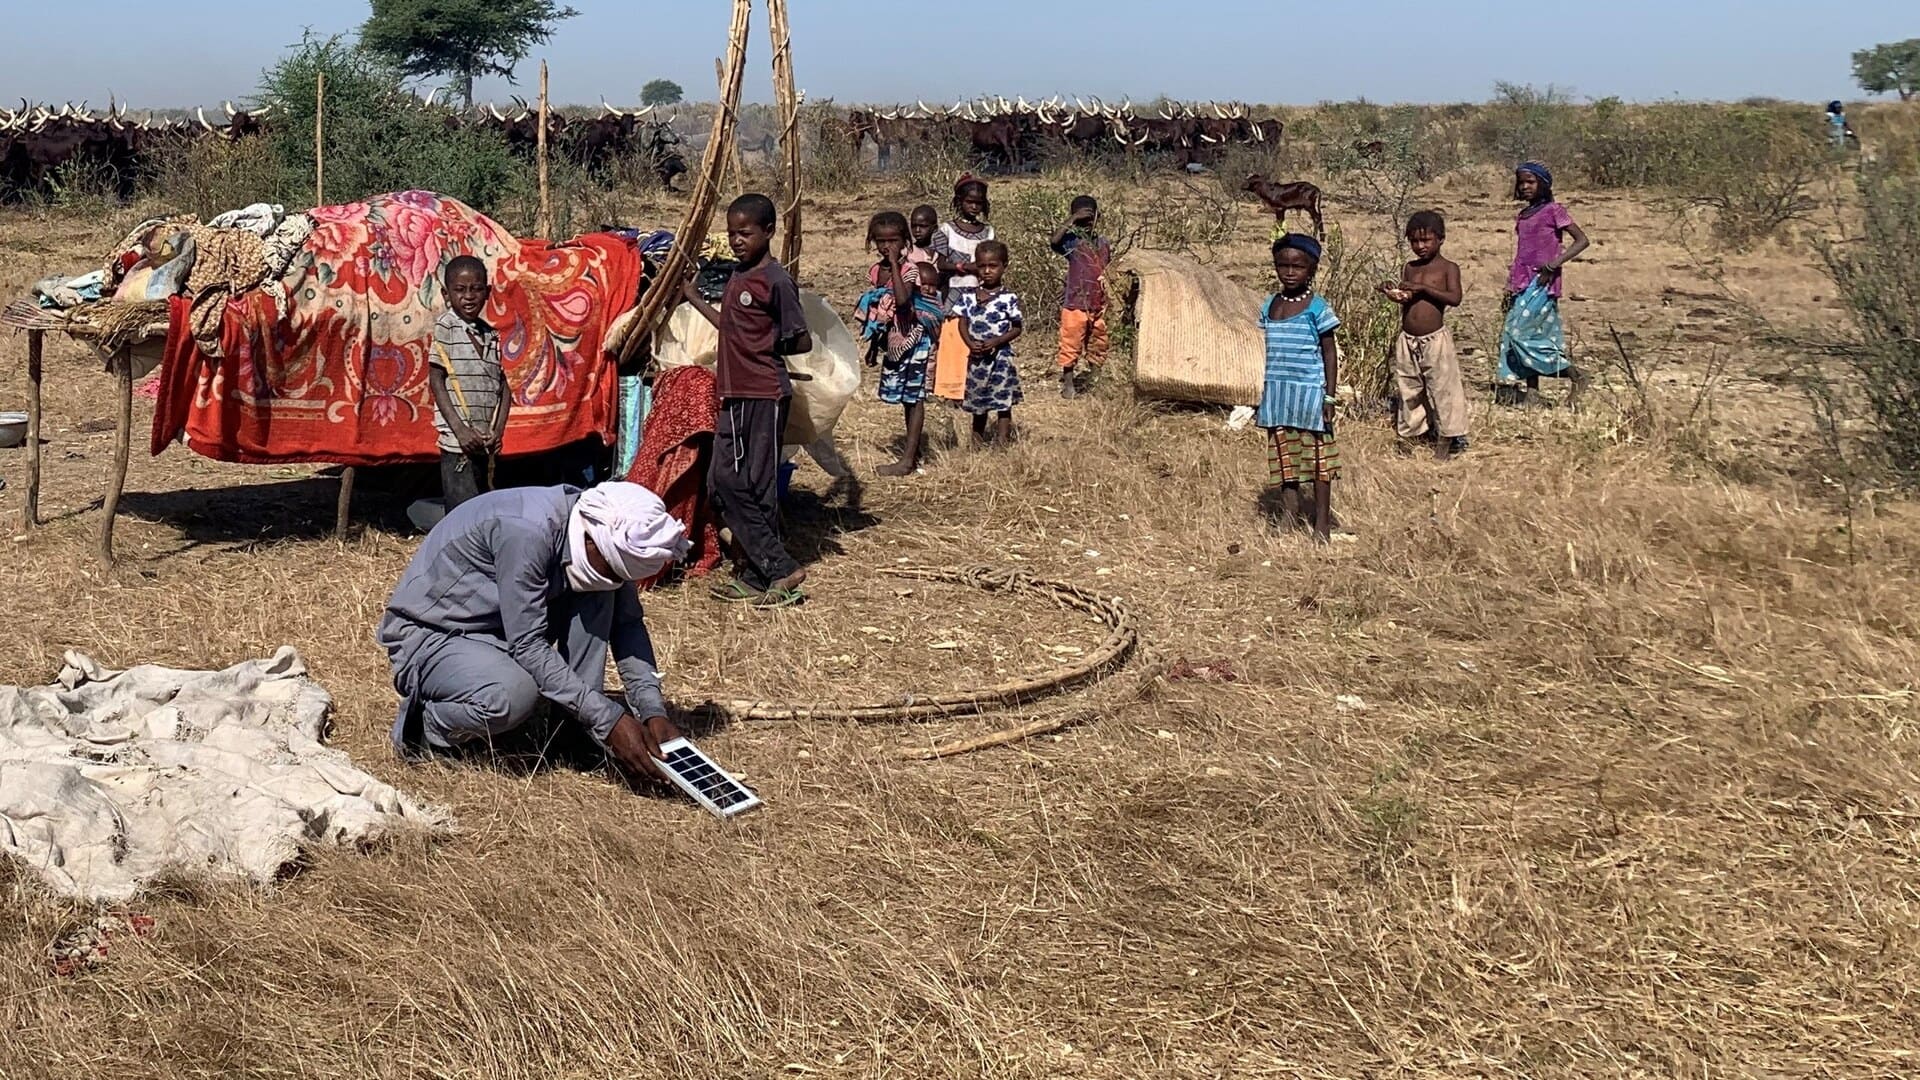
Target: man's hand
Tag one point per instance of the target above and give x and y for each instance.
(635, 744)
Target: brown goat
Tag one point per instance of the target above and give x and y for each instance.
(1281, 198)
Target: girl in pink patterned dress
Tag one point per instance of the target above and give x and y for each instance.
(1533, 344)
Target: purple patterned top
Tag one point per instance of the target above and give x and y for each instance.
(1539, 244)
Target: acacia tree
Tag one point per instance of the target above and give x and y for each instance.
(462, 38)
(1893, 66)
(661, 92)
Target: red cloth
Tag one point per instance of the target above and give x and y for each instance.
(343, 378)
(676, 445)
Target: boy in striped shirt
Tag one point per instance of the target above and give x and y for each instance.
(469, 384)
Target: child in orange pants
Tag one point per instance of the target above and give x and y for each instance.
(1083, 320)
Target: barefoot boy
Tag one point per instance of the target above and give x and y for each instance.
(1426, 366)
(760, 324)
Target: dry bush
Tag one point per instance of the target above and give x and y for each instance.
(830, 160)
(1878, 276)
(1656, 403)
(1891, 136)
(1350, 274)
(930, 166)
(205, 177)
(1527, 123)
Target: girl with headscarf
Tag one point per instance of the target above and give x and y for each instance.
(1533, 340)
(514, 599)
(1297, 396)
(953, 246)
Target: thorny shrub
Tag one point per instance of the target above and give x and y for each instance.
(1878, 275)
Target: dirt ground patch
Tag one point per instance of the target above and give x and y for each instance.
(1577, 759)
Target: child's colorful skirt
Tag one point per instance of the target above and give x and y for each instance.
(1532, 341)
(1295, 456)
(904, 381)
(993, 383)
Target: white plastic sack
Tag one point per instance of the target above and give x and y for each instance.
(834, 364)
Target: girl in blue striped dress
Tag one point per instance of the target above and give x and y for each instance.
(1297, 400)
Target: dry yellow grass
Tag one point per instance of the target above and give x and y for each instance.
(1569, 764)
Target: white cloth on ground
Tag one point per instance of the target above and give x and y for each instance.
(109, 778)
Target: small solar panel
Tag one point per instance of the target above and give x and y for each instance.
(713, 787)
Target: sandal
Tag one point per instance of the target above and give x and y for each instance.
(734, 591)
(779, 598)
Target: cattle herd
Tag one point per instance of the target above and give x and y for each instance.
(1008, 133)
(37, 141)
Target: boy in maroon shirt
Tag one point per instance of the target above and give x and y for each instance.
(760, 323)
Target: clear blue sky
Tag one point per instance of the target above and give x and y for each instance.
(188, 52)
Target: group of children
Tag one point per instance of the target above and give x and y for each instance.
(1298, 398)
(941, 323)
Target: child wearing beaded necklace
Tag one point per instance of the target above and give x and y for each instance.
(1297, 398)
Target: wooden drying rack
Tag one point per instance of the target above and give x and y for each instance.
(27, 315)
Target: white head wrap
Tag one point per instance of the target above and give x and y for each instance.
(632, 530)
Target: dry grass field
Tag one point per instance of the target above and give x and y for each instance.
(1584, 755)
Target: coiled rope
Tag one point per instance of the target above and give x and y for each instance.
(1112, 652)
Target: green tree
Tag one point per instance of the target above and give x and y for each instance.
(462, 38)
(1894, 65)
(378, 136)
(661, 92)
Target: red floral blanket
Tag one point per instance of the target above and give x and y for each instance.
(676, 446)
(342, 378)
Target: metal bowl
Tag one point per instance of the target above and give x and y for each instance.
(13, 429)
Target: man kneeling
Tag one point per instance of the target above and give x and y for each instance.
(515, 597)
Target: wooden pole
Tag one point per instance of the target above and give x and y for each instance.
(734, 163)
(341, 508)
(122, 366)
(545, 225)
(666, 287)
(319, 139)
(787, 101)
(30, 516)
(340, 517)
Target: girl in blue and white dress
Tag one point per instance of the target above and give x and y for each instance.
(990, 322)
(1297, 397)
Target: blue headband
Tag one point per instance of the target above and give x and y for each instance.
(1300, 242)
(1538, 170)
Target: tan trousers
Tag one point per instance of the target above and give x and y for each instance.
(1426, 378)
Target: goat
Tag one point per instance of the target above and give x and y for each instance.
(1281, 198)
